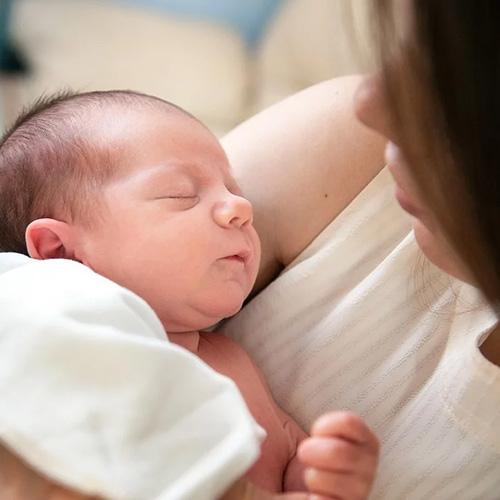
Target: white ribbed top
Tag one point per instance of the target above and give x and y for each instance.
(361, 321)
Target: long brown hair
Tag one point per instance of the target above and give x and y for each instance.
(448, 102)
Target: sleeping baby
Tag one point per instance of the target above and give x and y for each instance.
(141, 192)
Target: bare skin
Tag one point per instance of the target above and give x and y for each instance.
(245, 490)
(300, 163)
(341, 458)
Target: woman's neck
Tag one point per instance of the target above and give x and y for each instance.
(490, 348)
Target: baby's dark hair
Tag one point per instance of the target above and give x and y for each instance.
(50, 166)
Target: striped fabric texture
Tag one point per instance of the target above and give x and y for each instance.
(361, 321)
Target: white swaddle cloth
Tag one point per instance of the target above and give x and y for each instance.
(95, 397)
(358, 322)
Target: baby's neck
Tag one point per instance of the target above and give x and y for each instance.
(188, 340)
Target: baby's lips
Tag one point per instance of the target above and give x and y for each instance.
(245, 254)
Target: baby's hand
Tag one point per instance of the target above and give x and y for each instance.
(341, 457)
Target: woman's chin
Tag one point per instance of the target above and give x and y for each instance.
(436, 248)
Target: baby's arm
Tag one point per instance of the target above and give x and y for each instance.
(244, 489)
(339, 460)
(293, 478)
(18, 481)
(341, 454)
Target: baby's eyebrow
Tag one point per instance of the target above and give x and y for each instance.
(204, 171)
(142, 178)
(168, 169)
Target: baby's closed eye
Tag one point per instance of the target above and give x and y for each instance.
(178, 200)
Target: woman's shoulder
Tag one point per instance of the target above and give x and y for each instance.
(301, 162)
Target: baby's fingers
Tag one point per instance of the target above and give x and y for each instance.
(341, 456)
(337, 455)
(333, 485)
(348, 426)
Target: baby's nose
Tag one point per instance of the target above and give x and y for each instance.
(233, 211)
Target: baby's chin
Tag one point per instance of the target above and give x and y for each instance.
(202, 318)
(214, 316)
(226, 304)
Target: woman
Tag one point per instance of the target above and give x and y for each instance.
(365, 322)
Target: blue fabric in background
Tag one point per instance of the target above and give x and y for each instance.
(11, 60)
(248, 17)
(5, 8)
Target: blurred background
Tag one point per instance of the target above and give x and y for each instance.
(222, 60)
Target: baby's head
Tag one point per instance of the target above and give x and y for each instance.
(136, 189)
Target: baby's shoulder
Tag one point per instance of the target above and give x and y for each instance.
(227, 357)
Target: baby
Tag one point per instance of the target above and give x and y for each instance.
(141, 192)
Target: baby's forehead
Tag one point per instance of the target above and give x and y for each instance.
(159, 140)
(123, 120)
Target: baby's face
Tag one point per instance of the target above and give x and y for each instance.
(177, 230)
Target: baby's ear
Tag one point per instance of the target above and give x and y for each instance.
(50, 239)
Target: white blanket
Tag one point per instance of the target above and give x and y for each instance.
(95, 397)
